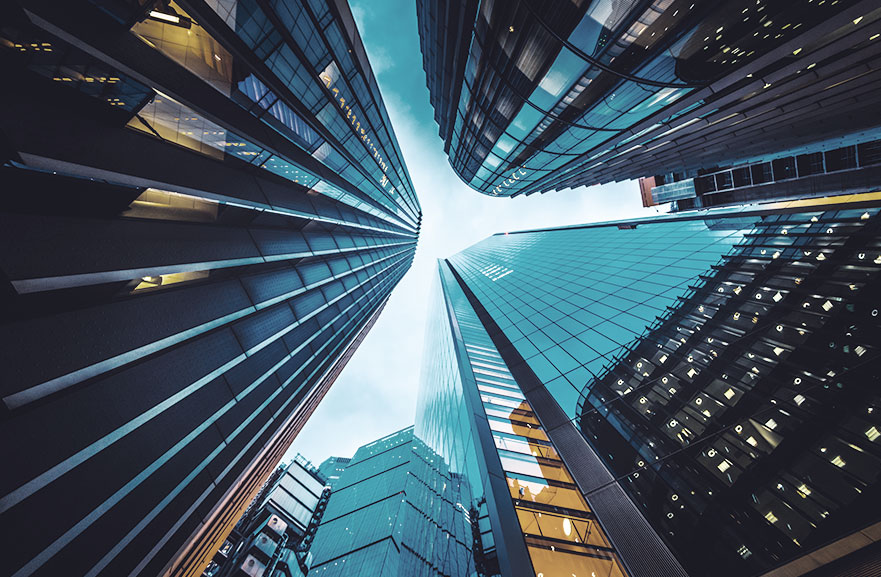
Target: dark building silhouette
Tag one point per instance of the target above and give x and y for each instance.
(205, 211)
(536, 96)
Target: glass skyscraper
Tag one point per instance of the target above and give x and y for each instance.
(536, 96)
(397, 510)
(681, 395)
(205, 211)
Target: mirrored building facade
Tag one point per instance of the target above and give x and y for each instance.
(397, 510)
(681, 395)
(536, 96)
(207, 210)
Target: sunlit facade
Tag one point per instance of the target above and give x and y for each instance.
(536, 96)
(698, 392)
(397, 510)
(532, 518)
(207, 210)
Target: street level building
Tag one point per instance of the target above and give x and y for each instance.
(274, 535)
(205, 210)
(396, 511)
(535, 96)
(685, 395)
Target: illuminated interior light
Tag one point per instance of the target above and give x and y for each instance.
(777, 297)
(778, 350)
(838, 461)
(873, 433)
(165, 17)
(729, 394)
(771, 517)
(827, 306)
(857, 20)
(752, 441)
(724, 466)
(799, 399)
(771, 424)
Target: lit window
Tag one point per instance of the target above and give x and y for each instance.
(724, 465)
(771, 517)
(729, 394)
(838, 461)
(799, 399)
(804, 491)
(771, 424)
(752, 441)
(873, 433)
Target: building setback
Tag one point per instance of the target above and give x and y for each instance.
(207, 211)
(331, 469)
(531, 97)
(683, 395)
(396, 510)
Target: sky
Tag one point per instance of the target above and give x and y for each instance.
(376, 392)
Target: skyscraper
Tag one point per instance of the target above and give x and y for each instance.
(682, 395)
(531, 97)
(396, 510)
(211, 212)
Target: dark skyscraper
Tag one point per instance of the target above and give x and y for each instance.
(536, 96)
(205, 210)
(683, 395)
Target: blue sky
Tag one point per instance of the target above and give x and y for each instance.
(376, 393)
